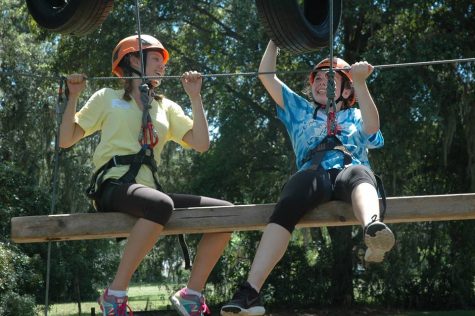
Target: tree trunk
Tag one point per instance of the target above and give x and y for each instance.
(468, 104)
(78, 293)
(342, 273)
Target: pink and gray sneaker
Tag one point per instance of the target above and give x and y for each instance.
(187, 304)
(114, 306)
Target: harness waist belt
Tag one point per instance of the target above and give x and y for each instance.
(328, 143)
(143, 157)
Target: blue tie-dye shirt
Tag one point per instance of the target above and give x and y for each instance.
(306, 133)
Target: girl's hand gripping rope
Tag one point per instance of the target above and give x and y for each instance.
(76, 83)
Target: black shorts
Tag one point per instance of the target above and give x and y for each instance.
(142, 201)
(309, 188)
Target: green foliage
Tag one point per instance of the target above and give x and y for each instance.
(307, 261)
(13, 304)
(427, 116)
(19, 197)
(428, 273)
(234, 265)
(16, 279)
(79, 269)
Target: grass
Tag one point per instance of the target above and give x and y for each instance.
(444, 313)
(141, 298)
(154, 297)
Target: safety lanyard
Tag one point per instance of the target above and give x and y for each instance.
(148, 136)
(332, 128)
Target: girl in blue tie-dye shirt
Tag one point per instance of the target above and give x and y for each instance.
(331, 148)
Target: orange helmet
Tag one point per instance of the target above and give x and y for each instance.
(130, 45)
(343, 68)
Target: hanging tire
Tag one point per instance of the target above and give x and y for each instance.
(77, 17)
(296, 29)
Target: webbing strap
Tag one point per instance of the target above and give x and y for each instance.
(184, 249)
(382, 193)
(327, 144)
(144, 156)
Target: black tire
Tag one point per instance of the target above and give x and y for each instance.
(295, 29)
(77, 17)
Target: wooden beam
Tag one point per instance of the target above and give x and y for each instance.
(234, 218)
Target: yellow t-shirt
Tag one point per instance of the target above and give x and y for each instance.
(120, 122)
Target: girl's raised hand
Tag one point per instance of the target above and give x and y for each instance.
(192, 81)
(76, 84)
(361, 70)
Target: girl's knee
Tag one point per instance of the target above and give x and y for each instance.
(159, 209)
(358, 171)
(288, 211)
(290, 202)
(356, 175)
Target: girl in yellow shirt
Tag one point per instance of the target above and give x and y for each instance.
(123, 116)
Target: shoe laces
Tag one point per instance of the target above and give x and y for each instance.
(203, 308)
(122, 310)
(374, 219)
(119, 305)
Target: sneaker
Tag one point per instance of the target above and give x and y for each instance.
(189, 304)
(379, 239)
(114, 306)
(245, 302)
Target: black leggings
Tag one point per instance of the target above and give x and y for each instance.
(309, 188)
(141, 201)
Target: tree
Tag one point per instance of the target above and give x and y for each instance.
(251, 156)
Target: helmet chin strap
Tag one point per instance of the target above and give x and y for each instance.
(132, 70)
(137, 72)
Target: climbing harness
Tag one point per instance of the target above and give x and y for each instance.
(148, 139)
(148, 136)
(328, 143)
(135, 161)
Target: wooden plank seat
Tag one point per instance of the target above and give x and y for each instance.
(79, 226)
